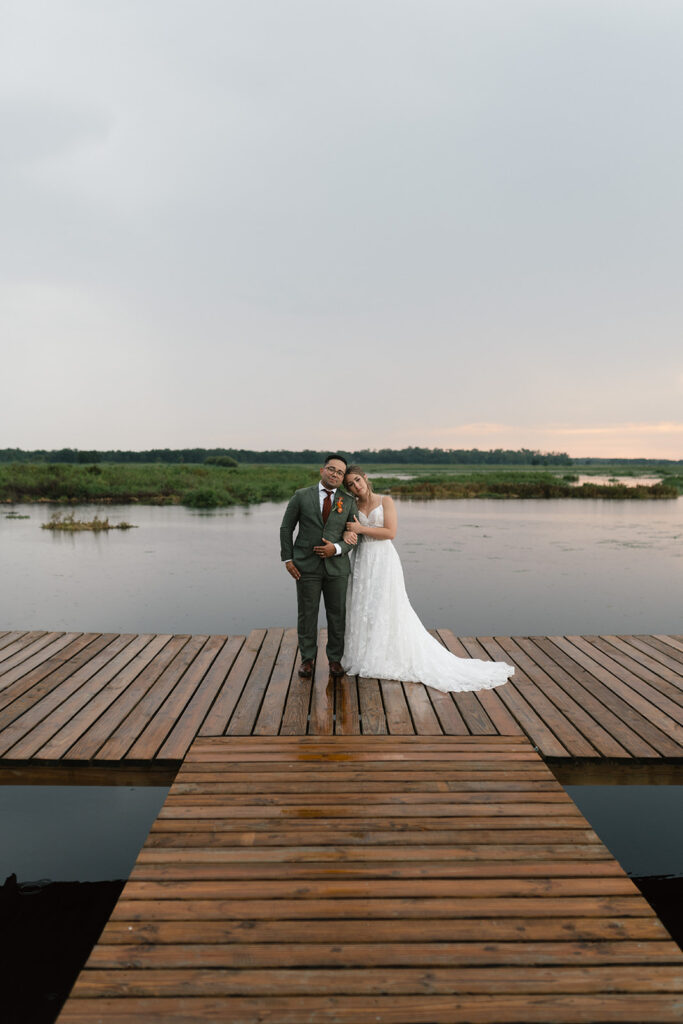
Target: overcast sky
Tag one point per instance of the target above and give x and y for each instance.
(311, 223)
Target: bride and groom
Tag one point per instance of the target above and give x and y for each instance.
(373, 630)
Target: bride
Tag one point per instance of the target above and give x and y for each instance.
(384, 637)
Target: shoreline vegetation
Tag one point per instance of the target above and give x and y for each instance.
(218, 484)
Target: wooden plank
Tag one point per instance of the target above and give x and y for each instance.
(184, 834)
(396, 708)
(194, 869)
(519, 930)
(421, 710)
(218, 717)
(401, 981)
(451, 721)
(184, 954)
(246, 711)
(273, 706)
(295, 715)
(347, 722)
(615, 1008)
(321, 718)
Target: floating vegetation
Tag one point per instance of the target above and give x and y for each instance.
(67, 522)
(15, 515)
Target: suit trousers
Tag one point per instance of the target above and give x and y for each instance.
(308, 591)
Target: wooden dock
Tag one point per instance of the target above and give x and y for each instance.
(396, 879)
(358, 850)
(71, 698)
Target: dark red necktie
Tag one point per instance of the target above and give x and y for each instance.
(327, 504)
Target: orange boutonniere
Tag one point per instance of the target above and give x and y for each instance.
(340, 505)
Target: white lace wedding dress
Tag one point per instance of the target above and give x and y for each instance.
(384, 637)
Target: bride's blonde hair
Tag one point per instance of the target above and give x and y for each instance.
(357, 469)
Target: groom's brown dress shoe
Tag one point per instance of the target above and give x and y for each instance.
(336, 671)
(306, 669)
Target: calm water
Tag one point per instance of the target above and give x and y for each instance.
(478, 567)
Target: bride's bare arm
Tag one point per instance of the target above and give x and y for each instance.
(386, 532)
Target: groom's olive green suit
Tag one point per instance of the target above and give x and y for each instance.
(328, 576)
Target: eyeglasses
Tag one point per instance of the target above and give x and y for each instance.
(335, 472)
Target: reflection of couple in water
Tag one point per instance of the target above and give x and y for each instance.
(372, 628)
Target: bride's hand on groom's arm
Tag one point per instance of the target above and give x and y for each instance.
(354, 526)
(350, 537)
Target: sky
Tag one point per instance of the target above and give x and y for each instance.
(361, 224)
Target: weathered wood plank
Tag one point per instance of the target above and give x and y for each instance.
(610, 1008)
(218, 717)
(246, 711)
(396, 708)
(347, 722)
(273, 706)
(321, 719)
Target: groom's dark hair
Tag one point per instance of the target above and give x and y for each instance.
(335, 455)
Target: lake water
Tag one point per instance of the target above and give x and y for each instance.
(477, 566)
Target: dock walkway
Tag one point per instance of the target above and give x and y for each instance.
(392, 879)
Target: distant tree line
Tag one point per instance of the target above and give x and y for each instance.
(402, 456)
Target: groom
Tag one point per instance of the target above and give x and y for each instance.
(318, 561)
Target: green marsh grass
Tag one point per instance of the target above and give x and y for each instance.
(205, 486)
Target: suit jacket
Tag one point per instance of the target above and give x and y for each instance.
(304, 510)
